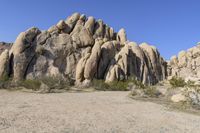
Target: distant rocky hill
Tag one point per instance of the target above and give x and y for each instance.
(81, 48)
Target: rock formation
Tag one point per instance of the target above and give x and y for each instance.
(4, 46)
(82, 49)
(186, 64)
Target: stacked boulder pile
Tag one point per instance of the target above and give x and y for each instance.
(81, 48)
(186, 65)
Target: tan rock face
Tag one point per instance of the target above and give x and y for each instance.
(22, 52)
(82, 49)
(92, 62)
(4, 64)
(80, 69)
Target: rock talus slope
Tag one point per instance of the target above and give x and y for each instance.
(82, 48)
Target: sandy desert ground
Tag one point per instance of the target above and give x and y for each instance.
(91, 112)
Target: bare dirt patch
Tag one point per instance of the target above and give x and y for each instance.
(89, 112)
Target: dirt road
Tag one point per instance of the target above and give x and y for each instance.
(95, 112)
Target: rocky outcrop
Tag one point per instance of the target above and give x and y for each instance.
(82, 49)
(186, 64)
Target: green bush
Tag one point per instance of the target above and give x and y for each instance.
(100, 85)
(138, 84)
(177, 82)
(5, 84)
(35, 84)
(4, 78)
(117, 85)
(56, 83)
(30, 84)
(151, 91)
(113, 86)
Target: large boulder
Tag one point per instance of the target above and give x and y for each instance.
(63, 27)
(83, 38)
(80, 69)
(72, 20)
(50, 59)
(108, 51)
(89, 24)
(178, 98)
(121, 36)
(92, 62)
(99, 29)
(155, 62)
(4, 64)
(23, 51)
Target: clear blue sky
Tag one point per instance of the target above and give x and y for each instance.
(170, 25)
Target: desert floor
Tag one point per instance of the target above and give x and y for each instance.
(91, 112)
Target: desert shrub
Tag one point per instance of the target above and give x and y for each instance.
(118, 86)
(112, 86)
(139, 89)
(45, 84)
(5, 82)
(151, 91)
(125, 85)
(177, 82)
(4, 78)
(100, 85)
(30, 84)
(138, 84)
(35, 84)
(145, 91)
(57, 83)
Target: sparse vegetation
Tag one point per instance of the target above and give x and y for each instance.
(151, 91)
(136, 87)
(138, 84)
(177, 82)
(99, 85)
(56, 83)
(125, 85)
(4, 78)
(49, 84)
(5, 82)
(30, 84)
(113, 86)
(146, 91)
